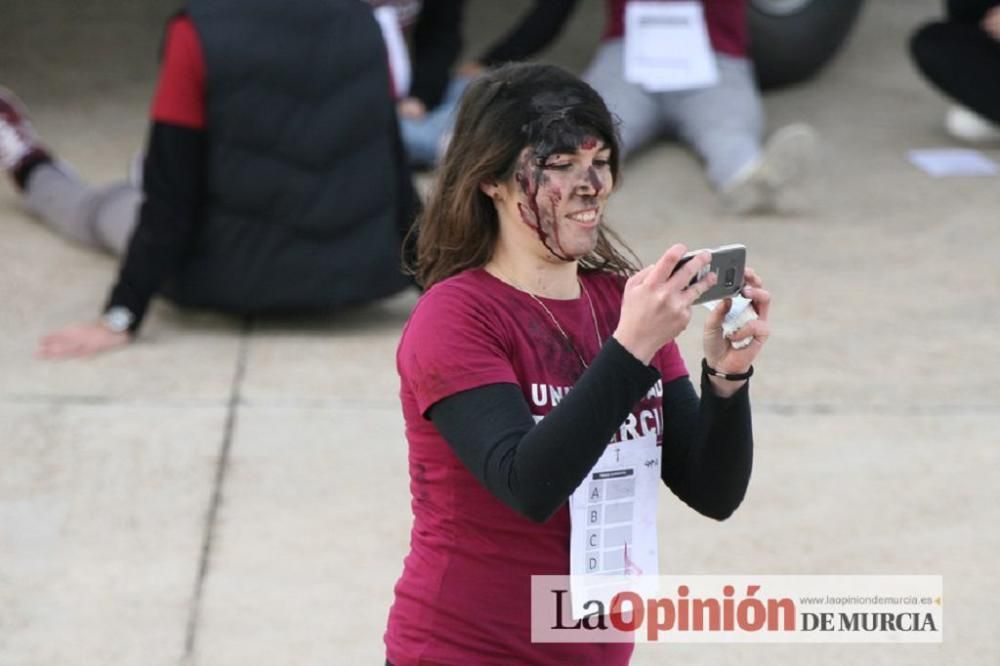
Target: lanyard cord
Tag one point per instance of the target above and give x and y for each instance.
(593, 315)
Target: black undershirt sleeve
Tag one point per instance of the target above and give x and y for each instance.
(969, 11)
(437, 41)
(534, 468)
(172, 186)
(536, 30)
(707, 446)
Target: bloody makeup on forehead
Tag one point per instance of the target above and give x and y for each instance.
(589, 142)
(555, 127)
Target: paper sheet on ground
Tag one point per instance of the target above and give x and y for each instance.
(945, 162)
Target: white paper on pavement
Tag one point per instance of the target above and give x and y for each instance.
(667, 46)
(945, 162)
(613, 516)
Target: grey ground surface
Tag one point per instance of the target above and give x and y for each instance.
(124, 541)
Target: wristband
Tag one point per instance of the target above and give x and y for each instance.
(118, 319)
(709, 370)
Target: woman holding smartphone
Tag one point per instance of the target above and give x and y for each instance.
(533, 311)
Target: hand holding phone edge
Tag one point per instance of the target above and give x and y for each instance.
(655, 298)
(730, 355)
(730, 258)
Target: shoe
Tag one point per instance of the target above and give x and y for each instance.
(17, 137)
(785, 160)
(968, 126)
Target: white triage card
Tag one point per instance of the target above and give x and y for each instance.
(667, 46)
(613, 516)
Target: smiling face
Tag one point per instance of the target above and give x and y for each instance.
(554, 202)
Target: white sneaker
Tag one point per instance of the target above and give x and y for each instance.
(968, 126)
(785, 160)
(17, 138)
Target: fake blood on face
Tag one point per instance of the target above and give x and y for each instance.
(533, 181)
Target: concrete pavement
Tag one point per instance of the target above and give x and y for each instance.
(221, 494)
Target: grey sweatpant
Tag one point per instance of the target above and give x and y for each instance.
(102, 218)
(723, 123)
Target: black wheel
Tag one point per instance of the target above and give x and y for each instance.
(790, 40)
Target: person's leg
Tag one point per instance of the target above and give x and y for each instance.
(101, 218)
(96, 217)
(426, 138)
(724, 123)
(963, 62)
(636, 109)
(20, 149)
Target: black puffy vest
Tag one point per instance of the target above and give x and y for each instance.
(303, 181)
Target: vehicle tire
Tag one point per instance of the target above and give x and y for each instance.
(790, 40)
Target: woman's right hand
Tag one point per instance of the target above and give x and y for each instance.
(656, 306)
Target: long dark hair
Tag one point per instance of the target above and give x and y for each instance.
(500, 114)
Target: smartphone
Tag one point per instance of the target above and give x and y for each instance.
(728, 263)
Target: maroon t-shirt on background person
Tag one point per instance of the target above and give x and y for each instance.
(726, 21)
(464, 595)
(179, 98)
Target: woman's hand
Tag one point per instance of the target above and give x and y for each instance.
(411, 107)
(656, 306)
(991, 23)
(719, 352)
(80, 341)
(470, 70)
